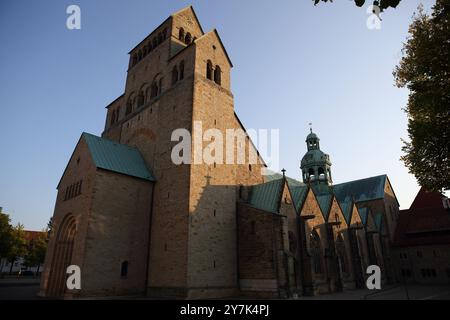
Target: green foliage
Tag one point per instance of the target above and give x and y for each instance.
(5, 235)
(425, 70)
(36, 251)
(49, 227)
(18, 246)
(382, 4)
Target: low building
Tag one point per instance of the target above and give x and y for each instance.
(422, 240)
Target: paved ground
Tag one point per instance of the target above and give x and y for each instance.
(27, 288)
(18, 289)
(398, 292)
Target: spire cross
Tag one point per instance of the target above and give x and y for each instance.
(284, 172)
(310, 126)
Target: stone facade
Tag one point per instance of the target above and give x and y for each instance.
(197, 229)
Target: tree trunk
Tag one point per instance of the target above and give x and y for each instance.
(37, 271)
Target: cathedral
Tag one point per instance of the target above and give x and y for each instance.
(137, 224)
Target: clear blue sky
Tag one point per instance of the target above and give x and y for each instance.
(294, 63)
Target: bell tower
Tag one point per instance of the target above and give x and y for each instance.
(315, 164)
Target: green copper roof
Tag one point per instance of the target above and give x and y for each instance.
(363, 213)
(346, 207)
(361, 190)
(325, 204)
(298, 193)
(379, 221)
(266, 196)
(113, 156)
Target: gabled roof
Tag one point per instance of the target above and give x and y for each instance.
(363, 213)
(297, 189)
(266, 196)
(361, 190)
(347, 207)
(425, 199)
(220, 42)
(169, 18)
(426, 222)
(325, 201)
(379, 221)
(116, 157)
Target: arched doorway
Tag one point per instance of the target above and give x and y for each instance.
(62, 257)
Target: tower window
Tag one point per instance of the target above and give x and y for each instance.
(217, 75)
(181, 34)
(321, 173)
(188, 38)
(209, 70)
(311, 173)
(124, 269)
(160, 38)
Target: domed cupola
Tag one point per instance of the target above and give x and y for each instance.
(315, 164)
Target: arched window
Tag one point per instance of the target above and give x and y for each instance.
(181, 70)
(218, 75)
(134, 59)
(160, 38)
(148, 94)
(174, 75)
(129, 108)
(181, 34)
(149, 47)
(209, 70)
(342, 256)
(188, 38)
(311, 173)
(154, 89)
(321, 173)
(155, 43)
(140, 55)
(140, 100)
(124, 269)
(316, 251)
(164, 33)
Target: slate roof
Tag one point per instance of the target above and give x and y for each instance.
(116, 157)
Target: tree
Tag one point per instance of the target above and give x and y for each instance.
(18, 245)
(382, 4)
(5, 237)
(425, 70)
(36, 252)
(49, 227)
